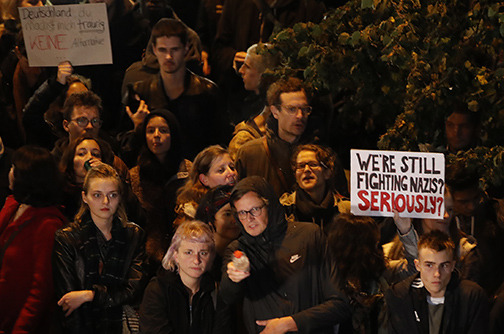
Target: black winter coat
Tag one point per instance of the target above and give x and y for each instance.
(291, 273)
(465, 308)
(166, 308)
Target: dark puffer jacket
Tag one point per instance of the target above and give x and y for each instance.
(166, 307)
(291, 271)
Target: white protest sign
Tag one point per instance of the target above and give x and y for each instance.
(411, 182)
(77, 33)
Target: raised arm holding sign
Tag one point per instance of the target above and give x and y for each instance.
(78, 33)
(410, 182)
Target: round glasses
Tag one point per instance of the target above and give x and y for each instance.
(83, 122)
(254, 212)
(292, 110)
(312, 164)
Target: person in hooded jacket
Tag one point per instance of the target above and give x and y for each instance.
(290, 285)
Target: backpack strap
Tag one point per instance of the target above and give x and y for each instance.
(275, 165)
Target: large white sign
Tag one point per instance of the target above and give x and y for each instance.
(77, 33)
(410, 182)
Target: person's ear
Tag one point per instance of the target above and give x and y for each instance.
(203, 179)
(175, 257)
(84, 199)
(274, 111)
(65, 125)
(453, 264)
(186, 49)
(417, 265)
(326, 174)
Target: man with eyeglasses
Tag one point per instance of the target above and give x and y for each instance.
(269, 156)
(81, 115)
(290, 285)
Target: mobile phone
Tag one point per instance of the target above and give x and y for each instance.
(133, 102)
(87, 165)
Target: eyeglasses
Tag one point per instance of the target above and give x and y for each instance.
(83, 122)
(292, 110)
(311, 164)
(254, 212)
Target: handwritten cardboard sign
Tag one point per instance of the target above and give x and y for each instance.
(78, 33)
(411, 182)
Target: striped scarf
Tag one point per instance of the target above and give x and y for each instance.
(108, 272)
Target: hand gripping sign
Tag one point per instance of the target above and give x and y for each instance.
(410, 182)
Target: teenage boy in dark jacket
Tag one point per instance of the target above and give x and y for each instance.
(435, 300)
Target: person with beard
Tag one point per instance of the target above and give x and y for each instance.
(290, 283)
(269, 156)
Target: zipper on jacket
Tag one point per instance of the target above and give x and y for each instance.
(190, 315)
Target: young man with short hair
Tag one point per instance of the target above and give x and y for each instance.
(81, 115)
(435, 300)
(462, 129)
(270, 156)
(193, 100)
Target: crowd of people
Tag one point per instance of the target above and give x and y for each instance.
(179, 190)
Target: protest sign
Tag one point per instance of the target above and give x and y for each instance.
(77, 33)
(411, 182)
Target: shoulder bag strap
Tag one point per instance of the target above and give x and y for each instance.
(275, 165)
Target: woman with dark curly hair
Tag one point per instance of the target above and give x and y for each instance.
(363, 271)
(28, 221)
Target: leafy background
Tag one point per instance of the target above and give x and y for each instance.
(394, 70)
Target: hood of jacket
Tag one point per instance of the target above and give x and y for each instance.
(277, 223)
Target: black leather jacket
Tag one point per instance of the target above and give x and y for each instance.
(71, 261)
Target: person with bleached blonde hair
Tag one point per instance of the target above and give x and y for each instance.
(179, 299)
